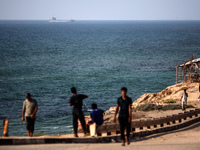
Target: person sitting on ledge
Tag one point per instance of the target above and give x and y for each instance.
(96, 115)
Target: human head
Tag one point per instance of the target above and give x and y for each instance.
(94, 106)
(73, 90)
(184, 90)
(124, 91)
(28, 95)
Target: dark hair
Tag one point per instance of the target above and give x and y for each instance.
(94, 106)
(184, 89)
(73, 90)
(124, 89)
(28, 95)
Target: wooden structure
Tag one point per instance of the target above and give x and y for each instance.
(189, 71)
(114, 128)
(153, 126)
(5, 127)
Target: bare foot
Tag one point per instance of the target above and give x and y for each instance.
(127, 140)
(123, 143)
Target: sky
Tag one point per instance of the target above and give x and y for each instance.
(100, 9)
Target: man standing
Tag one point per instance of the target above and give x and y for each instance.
(29, 110)
(77, 101)
(124, 103)
(184, 99)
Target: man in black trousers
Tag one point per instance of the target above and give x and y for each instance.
(77, 101)
(124, 103)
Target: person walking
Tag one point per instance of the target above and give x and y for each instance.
(124, 103)
(77, 101)
(184, 100)
(30, 108)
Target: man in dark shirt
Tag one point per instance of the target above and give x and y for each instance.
(77, 101)
(96, 115)
(124, 103)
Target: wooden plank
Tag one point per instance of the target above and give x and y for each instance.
(101, 128)
(112, 127)
(5, 127)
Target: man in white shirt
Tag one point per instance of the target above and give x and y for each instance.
(184, 99)
(29, 110)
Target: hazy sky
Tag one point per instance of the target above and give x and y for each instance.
(100, 9)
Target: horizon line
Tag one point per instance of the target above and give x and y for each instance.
(102, 20)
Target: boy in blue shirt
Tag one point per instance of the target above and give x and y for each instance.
(96, 115)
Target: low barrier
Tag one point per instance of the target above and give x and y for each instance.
(155, 126)
(149, 124)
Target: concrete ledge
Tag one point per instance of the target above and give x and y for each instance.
(107, 139)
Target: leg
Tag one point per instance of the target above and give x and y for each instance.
(75, 123)
(32, 124)
(82, 120)
(182, 105)
(185, 105)
(122, 127)
(28, 131)
(128, 129)
(28, 126)
(199, 86)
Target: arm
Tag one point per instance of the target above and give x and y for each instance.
(102, 112)
(23, 112)
(34, 112)
(84, 96)
(130, 114)
(70, 102)
(116, 111)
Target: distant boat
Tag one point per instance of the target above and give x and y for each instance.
(53, 19)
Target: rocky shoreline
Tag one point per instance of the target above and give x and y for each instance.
(160, 103)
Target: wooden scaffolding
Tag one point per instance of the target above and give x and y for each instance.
(188, 72)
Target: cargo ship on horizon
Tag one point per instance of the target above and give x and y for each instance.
(54, 19)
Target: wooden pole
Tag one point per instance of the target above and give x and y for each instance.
(5, 127)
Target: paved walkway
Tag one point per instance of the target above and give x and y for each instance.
(112, 146)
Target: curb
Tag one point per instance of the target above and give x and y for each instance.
(108, 139)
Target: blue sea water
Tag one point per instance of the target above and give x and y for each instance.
(98, 57)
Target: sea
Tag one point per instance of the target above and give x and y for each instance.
(97, 57)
